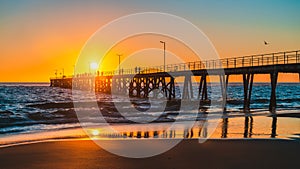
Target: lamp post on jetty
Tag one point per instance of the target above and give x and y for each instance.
(164, 54)
(55, 72)
(73, 70)
(119, 62)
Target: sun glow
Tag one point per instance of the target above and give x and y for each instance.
(94, 65)
(95, 132)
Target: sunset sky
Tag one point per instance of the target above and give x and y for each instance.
(40, 37)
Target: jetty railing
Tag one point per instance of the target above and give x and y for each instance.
(287, 57)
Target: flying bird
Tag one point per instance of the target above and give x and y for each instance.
(266, 43)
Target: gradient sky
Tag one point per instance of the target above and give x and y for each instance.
(39, 37)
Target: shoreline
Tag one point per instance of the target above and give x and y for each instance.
(227, 129)
(214, 153)
(135, 139)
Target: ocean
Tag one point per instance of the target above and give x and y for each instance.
(31, 108)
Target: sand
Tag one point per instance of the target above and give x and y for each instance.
(188, 154)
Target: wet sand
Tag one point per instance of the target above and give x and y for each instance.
(254, 153)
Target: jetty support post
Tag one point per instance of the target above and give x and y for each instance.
(224, 84)
(248, 83)
(187, 92)
(274, 77)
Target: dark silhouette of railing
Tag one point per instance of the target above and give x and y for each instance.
(287, 57)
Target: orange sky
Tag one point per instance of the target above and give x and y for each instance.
(38, 38)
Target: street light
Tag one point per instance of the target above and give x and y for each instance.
(164, 54)
(119, 62)
(55, 73)
(63, 72)
(74, 70)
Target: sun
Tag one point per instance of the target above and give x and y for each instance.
(93, 65)
(95, 132)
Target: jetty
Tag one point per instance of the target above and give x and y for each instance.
(146, 81)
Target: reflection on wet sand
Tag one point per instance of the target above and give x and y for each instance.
(224, 128)
(248, 127)
(238, 127)
(274, 127)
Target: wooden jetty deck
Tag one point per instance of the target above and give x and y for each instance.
(146, 81)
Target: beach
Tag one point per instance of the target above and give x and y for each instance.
(216, 153)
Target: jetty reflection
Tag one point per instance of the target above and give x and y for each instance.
(237, 127)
